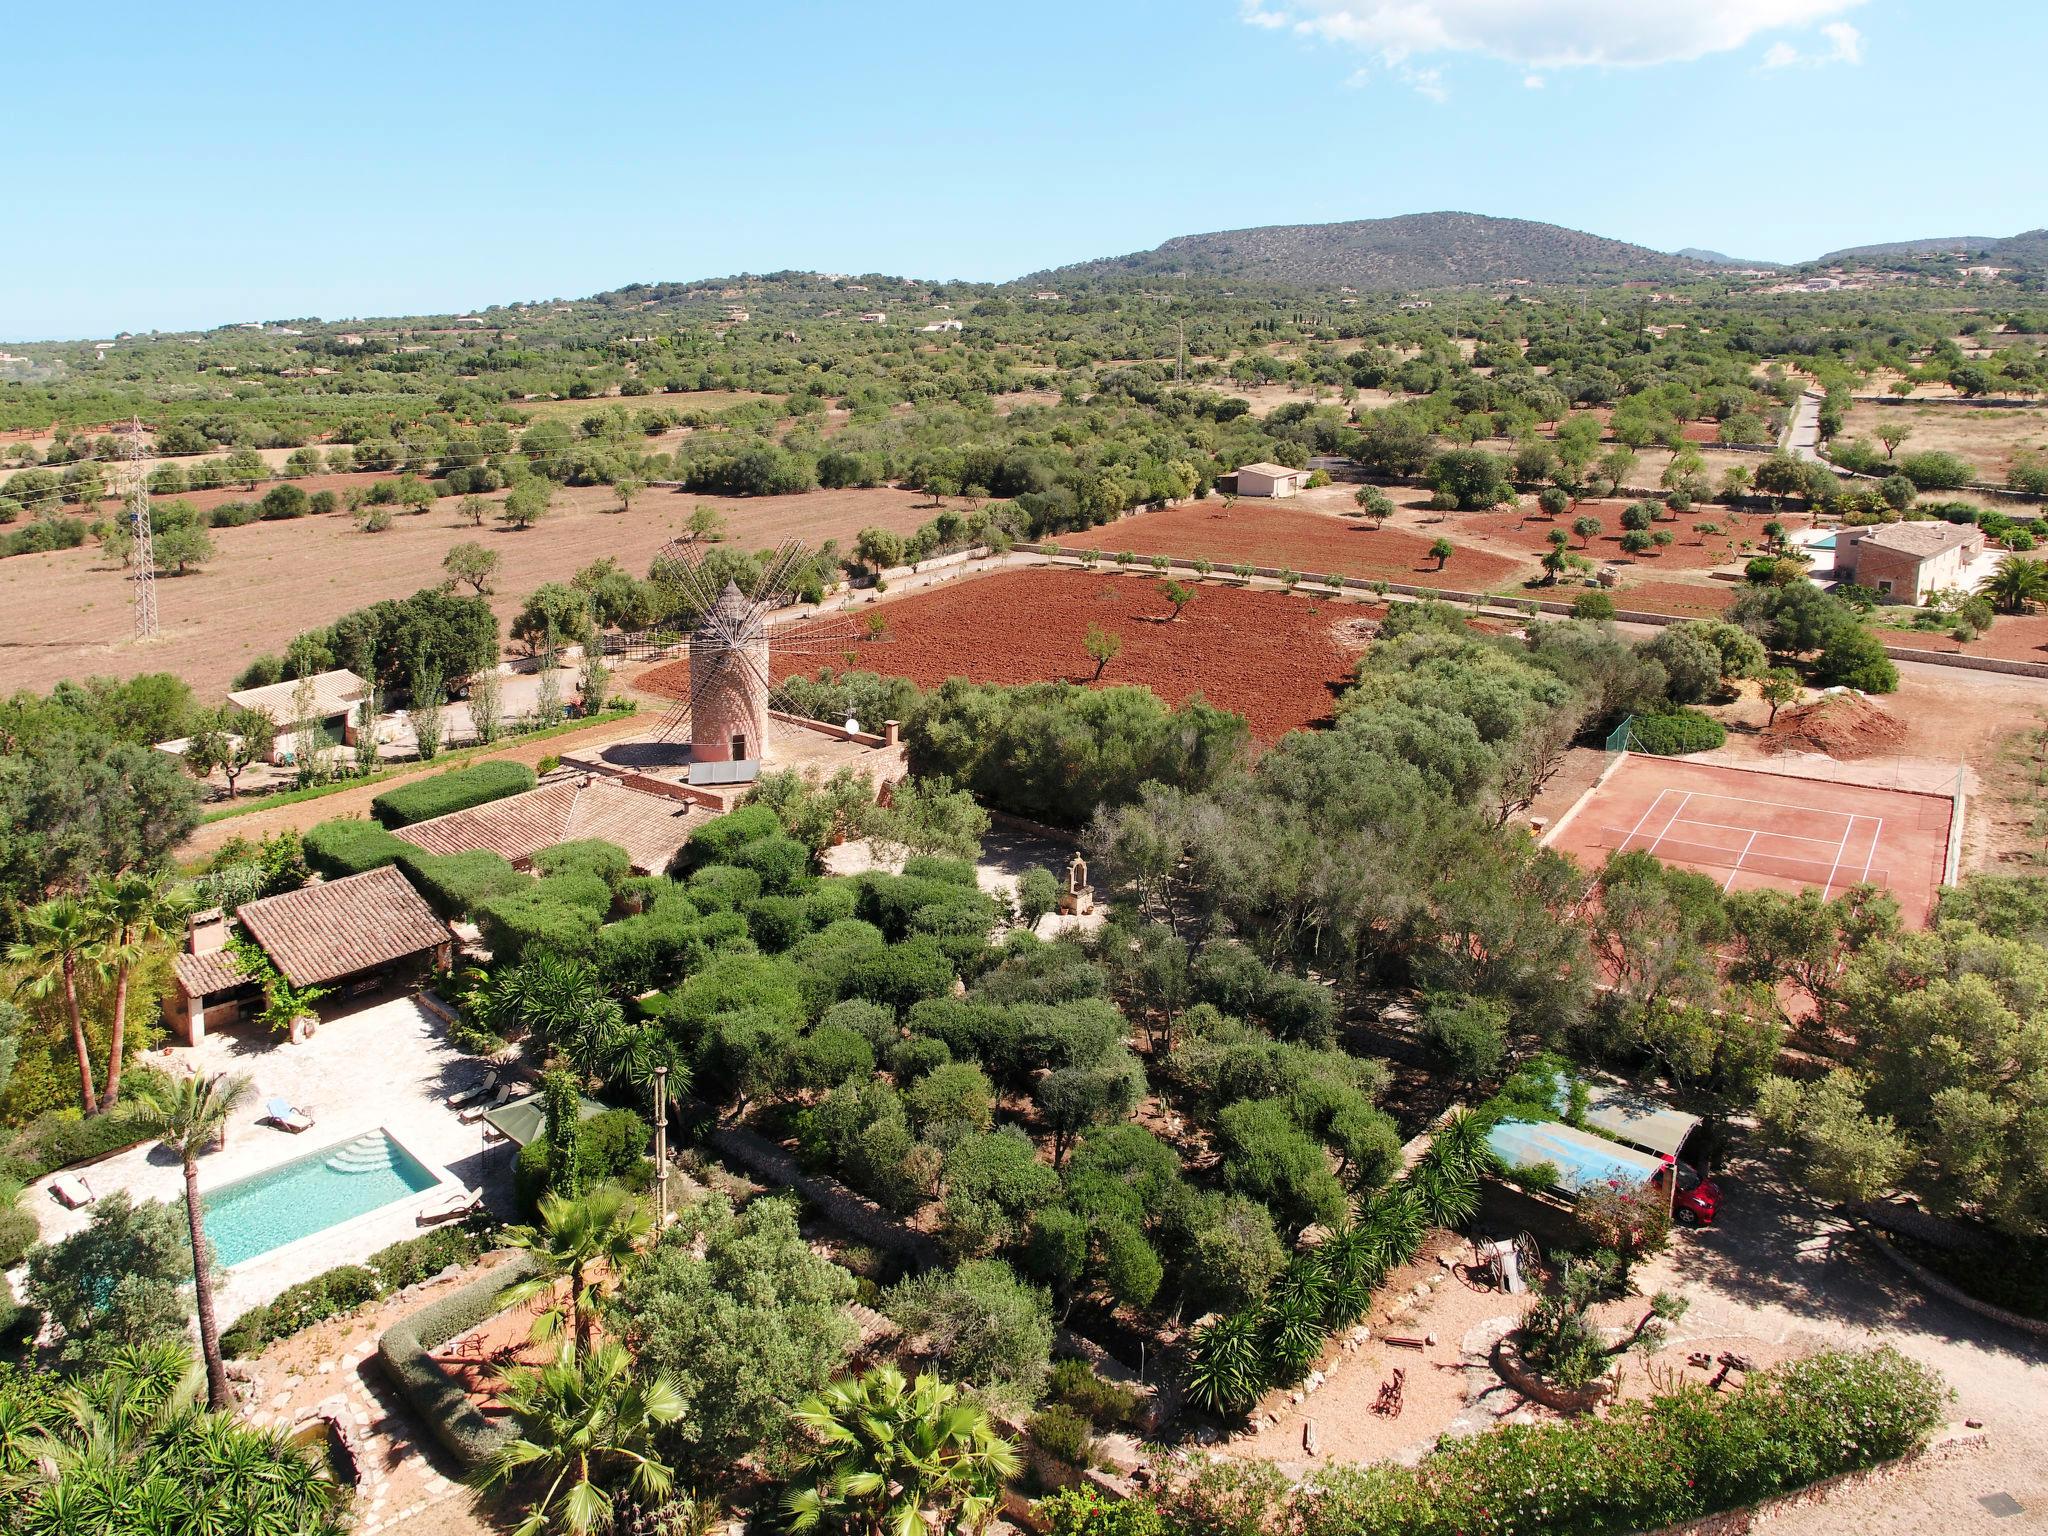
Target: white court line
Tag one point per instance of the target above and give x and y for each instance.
(1676, 816)
(1738, 865)
(1790, 837)
(1875, 839)
(1827, 890)
(1781, 805)
(1648, 811)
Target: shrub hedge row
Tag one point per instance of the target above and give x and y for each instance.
(1647, 1465)
(445, 793)
(348, 1286)
(439, 1401)
(349, 846)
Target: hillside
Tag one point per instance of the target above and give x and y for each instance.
(2029, 246)
(1417, 250)
(1717, 259)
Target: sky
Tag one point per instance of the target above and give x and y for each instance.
(178, 167)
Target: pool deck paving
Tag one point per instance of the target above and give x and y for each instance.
(382, 1064)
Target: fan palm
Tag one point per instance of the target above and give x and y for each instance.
(890, 1452)
(190, 1116)
(61, 937)
(2017, 584)
(605, 1226)
(583, 1420)
(135, 910)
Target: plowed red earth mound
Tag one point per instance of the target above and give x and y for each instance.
(1843, 725)
(1276, 660)
(1261, 533)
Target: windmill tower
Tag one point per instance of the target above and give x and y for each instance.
(729, 713)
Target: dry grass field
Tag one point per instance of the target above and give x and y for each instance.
(66, 613)
(1988, 436)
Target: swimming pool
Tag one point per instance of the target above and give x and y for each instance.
(309, 1194)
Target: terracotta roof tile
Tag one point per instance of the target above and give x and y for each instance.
(651, 828)
(203, 975)
(337, 927)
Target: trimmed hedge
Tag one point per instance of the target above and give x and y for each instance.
(587, 856)
(445, 793)
(456, 884)
(348, 1286)
(723, 836)
(1646, 1466)
(439, 1401)
(1677, 732)
(348, 845)
(18, 1233)
(63, 1137)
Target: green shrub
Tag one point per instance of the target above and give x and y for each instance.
(609, 1146)
(782, 863)
(442, 1403)
(777, 922)
(63, 1137)
(18, 1233)
(1593, 605)
(414, 1259)
(510, 924)
(445, 793)
(350, 846)
(1673, 733)
(830, 901)
(1854, 658)
(1088, 1512)
(724, 888)
(300, 1306)
(1063, 1434)
(904, 974)
(456, 884)
(723, 836)
(588, 856)
(1106, 1404)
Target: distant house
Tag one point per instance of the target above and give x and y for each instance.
(941, 325)
(334, 710)
(1045, 295)
(1270, 480)
(652, 828)
(874, 317)
(1908, 562)
(351, 934)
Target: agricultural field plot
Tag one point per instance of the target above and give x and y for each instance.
(1277, 660)
(1679, 598)
(1753, 830)
(66, 613)
(1267, 533)
(1987, 436)
(2012, 637)
(1527, 532)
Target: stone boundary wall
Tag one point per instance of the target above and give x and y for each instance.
(1515, 607)
(1948, 1290)
(844, 1208)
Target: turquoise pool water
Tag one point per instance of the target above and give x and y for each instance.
(310, 1194)
(1825, 543)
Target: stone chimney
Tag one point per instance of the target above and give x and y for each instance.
(892, 731)
(206, 933)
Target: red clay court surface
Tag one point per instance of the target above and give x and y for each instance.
(1751, 830)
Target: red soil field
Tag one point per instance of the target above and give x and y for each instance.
(1686, 599)
(1270, 535)
(2012, 637)
(1530, 530)
(1272, 658)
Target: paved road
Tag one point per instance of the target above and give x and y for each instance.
(1780, 1269)
(1802, 433)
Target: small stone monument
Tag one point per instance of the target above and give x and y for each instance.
(1078, 899)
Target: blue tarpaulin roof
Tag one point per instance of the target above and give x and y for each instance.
(1583, 1161)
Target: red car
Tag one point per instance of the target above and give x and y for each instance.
(1698, 1198)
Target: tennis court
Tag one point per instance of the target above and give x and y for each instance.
(1750, 829)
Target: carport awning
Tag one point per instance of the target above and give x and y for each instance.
(1583, 1161)
(524, 1119)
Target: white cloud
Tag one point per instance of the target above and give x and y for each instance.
(1845, 46)
(1532, 82)
(1556, 34)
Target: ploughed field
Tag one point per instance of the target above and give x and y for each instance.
(1268, 533)
(1275, 659)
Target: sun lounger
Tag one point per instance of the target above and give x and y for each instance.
(469, 1096)
(453, 1208)
(476, 1112)
(71, 1191)
(280, 1113)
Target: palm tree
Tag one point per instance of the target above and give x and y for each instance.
(189, 1117)
(582, 1419)
(135, 910)
(605, 1226)
(2017, 584)
(889, 1451)
(61, 935)
(125, 1448)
